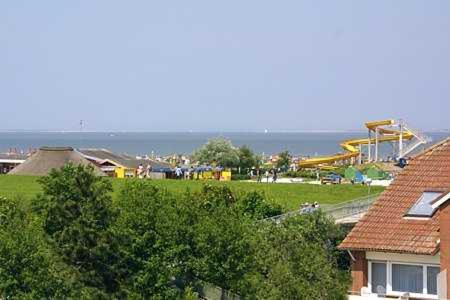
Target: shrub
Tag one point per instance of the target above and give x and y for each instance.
(76, 207)
(28, 268)
(240, 177)
(78, 243)
(302, 174)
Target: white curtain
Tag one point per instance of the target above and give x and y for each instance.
(378, 277)
(432, 273)
(407, 278)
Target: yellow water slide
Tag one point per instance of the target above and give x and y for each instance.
(352, 146)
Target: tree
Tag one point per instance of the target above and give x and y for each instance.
(28, 269)
(144, 226)
(254, 205)
(76, 208)
(218, 240)
(224, 255)
(218, 152)
(297, 260)
(247, 159)
(284, 160)
(76, 242)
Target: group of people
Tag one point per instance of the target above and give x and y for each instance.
(144, 172)
(308, 208)
(187, 174)
(190, 173)
(267, 174)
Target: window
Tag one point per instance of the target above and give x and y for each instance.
(378, 278)
(407, 278)
(432, 273)
(394, 279)
(422, 207)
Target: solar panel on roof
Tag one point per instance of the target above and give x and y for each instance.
(422, 207)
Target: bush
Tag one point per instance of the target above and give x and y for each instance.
(297, 259)
(255, 205)
(302, 174)
(79, 243)
(27, 268)
(240, 177)
(76, 209)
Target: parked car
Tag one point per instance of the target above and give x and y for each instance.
(331, 178)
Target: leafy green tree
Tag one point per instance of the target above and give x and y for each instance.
(78, 243)
(76, 208)
(212, 197)
(218, 152)
(254, 205)
(28, 269)
(223, 252)
(247, 159)
(284, 160)
(296, 260)
(145, 226)
(258, 161)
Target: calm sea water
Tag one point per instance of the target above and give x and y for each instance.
(302, 143)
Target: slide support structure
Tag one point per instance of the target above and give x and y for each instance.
(400, 142)
(376, 144)
(369, 148)
(360, 154)
(396, 132)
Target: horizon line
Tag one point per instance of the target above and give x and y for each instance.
(263, 131)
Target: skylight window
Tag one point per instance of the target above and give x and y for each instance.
(422, 207)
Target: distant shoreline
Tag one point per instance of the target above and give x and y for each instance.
(304, 143)
(206, 132)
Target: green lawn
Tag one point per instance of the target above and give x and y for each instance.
(290, 196)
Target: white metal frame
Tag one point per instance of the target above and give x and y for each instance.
(389, 291)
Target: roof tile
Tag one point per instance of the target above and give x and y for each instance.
(384, 228)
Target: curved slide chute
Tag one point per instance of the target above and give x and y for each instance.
(352, 147)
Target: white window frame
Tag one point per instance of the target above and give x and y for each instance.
(389, 291)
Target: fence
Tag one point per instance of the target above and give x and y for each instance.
(350, 208)
(338, 211)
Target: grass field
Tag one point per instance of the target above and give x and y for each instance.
(290, 196)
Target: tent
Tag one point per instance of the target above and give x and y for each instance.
(376, 173)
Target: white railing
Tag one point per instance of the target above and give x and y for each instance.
(351, 208)
(342, 210)
(419, 138)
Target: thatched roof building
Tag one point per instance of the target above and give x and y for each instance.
(48, 158)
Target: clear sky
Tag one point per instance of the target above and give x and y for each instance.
(223, 65)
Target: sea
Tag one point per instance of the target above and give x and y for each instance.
(166, 143)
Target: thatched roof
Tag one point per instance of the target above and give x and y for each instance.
(48, 158)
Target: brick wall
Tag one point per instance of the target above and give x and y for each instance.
(444, 227)
(359, 271)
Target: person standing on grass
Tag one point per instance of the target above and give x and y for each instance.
(178, 172)
(140, 171)
(267, 176)
(275, 176)
(148, 171)
(259, 175)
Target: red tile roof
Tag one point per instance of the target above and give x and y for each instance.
(384, 227)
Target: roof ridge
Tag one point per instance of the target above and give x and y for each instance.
(95, 149)
(431, 148)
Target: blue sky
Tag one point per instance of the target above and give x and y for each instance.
(223, 65)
